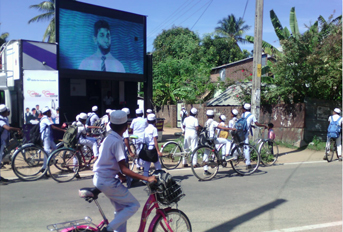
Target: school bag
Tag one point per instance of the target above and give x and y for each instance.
(184, 115)
(35, 135)
(70, 137)
(334, 129)
(241, 128)
(97, 130)
(88, 122)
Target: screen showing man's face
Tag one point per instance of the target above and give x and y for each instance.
(103, 40)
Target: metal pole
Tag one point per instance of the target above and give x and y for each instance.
(257, 63)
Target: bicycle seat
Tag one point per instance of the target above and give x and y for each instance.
(89, 193)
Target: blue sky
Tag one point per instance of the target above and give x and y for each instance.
(200, 15)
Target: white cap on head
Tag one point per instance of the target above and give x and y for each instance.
(151, 117)
(222, 117)
(183, 107)
(118, 117)
(126, 110)
(83, 116)
(149, 111)
(45, 109)
(94, 108)
(139, 111)
(234, 112)
(247, 106)
(3, 108)
(337, 110)
(108, 111)
(194, 111)
(209, 112)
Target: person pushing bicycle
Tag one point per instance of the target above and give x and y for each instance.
(111, 162)
(335, 132)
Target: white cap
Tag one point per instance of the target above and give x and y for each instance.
(337, 110)
(183, 107)
(222, 117)
(139, 111)
(108, 111)
(126, 110)
(151, 117)
(149, 111)
(194, 111)
(89, 114)
(118, 117)
(247, 106)
(234, 112)
(209, 112)
(83, 116)
(94, 108)
(45, 109)
(3, 108)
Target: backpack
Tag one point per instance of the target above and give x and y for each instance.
(96, 130)
(204, 140)
(334, 129)
(184, 115)
(70, 137)
(88, 122)
(168, 190)
(35, 135)
(241, 129)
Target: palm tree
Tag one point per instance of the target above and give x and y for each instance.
(232, 28)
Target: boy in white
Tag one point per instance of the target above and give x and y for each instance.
(111, 163)
(250, 120)
(150, 139)
(191, 125)
(183, 115)
(212, 125)
(82, 133)
(336, 116)
(138, 126)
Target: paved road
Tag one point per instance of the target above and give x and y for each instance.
(299, 196)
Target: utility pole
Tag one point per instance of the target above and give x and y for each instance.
(257, 63)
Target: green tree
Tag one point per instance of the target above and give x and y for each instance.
(48, 9)
(3, 38)
(180, 69)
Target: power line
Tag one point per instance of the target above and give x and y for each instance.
(202, 13)
(245, 9)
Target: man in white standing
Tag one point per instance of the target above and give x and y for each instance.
(191, 126)
(102, 60)
(138, 126)
(183, 115)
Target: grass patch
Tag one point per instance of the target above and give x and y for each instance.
(317, 144)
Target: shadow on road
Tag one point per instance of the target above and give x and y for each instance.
(230, 225)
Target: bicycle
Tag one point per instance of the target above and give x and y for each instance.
(165, 219)
(173, 153)
(268, 149)
(330, 150)
(10, 148)
(211, 156)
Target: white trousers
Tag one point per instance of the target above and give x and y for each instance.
(49, 146)
(147, 164)
(139, 162)
(2, 147)
(338, 144)
(91, 143)
(190, 142)
(125, 204)
(246, 150)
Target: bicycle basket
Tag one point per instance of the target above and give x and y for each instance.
(168, 190)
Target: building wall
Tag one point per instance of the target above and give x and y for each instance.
(235, 72)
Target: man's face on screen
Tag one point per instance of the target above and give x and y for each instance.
(103, 40)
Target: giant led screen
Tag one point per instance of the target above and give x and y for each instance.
(99, 41)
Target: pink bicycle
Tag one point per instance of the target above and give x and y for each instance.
(166, 219)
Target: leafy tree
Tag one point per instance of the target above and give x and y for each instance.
(3, 38)
(48, 7)
(232, 28)
(180, 69)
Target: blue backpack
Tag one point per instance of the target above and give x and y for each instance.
(241, 128)
(334, 129)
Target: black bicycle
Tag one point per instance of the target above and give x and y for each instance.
(330, 150)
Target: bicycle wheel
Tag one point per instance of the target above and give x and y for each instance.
(68, 162)
(176, 219)
(172, 155)
(269, 152)
(239, 164)
(204, 163)
(28, 162)
(330, 150)
(88, 157)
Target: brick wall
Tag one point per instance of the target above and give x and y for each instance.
(234, 72)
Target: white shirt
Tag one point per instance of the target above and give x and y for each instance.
(5, 133)
(94, 118)
(218, 130)
(45, 127)
(108, 100)
(94, 61)
(110, 153)
(190, 124)
(232, 122)
(126, 134)
(212, 125)
(81, 130)
(149, 135)
(335, 118)
(138, 126)
(250, 120)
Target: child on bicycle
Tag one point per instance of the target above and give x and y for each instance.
(336, 117)
(111, 162)
(152, 152)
